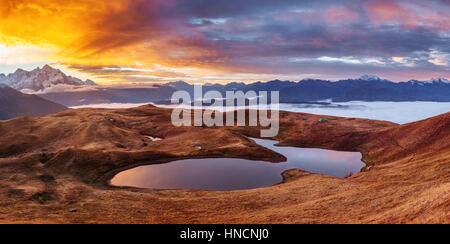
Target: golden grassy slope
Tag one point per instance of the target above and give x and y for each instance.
(54, 170)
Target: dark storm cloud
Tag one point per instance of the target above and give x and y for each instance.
(223, 33)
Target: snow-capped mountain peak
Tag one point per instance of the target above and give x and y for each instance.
(439, 80)
(370, 78)
(430, 82)
(416, 82)
(40, 79)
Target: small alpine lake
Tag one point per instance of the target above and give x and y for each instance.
(226, 174)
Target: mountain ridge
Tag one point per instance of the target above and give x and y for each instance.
(362, 78)
(365, 88)
(81, 150)
(40, 79)
(14, 104)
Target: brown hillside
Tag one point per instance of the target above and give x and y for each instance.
(54, 169)
(14, 103)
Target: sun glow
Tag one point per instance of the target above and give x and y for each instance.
(19, 55)
(159, 40)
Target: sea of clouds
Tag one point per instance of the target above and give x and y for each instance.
(397, 112)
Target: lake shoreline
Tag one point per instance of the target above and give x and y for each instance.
(61, 179)
(185, 174)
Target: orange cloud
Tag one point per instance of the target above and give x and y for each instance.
(101, 33)
(78, 29)
(206, 40)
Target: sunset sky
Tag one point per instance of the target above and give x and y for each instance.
(146, 41)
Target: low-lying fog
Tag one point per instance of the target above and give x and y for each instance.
(397, 112)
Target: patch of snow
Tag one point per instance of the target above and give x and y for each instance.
(370, 78)
(416, 82)
(153, 138)
(438, 80)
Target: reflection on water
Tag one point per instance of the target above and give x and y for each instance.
(224, 174)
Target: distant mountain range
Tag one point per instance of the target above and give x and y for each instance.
(366, 88)
(40, 79)
(110, 95)
(14, 103)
